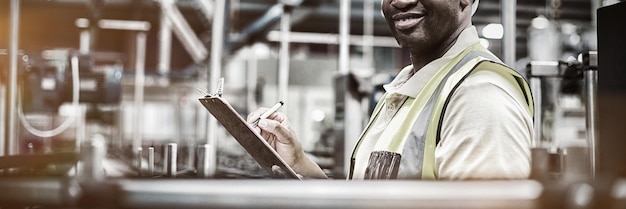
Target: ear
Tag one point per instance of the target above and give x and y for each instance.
(465, 4)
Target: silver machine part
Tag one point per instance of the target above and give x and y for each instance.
(574, 156)
(139, 160)
(93, 154)
(537, 70)
(12, 145)
(171, 159)
(508, 14)
(196, 193)
(151, 161)
(204, 158)
(591, 104)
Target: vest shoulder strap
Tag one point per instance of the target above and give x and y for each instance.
(481, 60)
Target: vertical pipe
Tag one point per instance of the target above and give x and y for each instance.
(202, 165)
(217, 49)
(283, 63)
(535, 87)
(139, 160)
(165, 41)
(80, 123)
(252, 79)
(139, 89)
(352, 107)
(151, 161)
(3, 102)
(368, 32)
(12, 145)
(591, 112)
(508, 22)
(595, 4)
(170, 165)
(344, 37)
(93, 155)
(85, 41)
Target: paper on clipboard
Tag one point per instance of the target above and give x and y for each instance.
(244, 133)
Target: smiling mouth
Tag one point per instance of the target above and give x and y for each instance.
(403, 22)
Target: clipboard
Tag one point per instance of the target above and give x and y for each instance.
(244, 133)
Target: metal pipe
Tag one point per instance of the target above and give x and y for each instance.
(151, 161)
(329, 38)
(140, 58)
(535, 88)
(353, 116)
(217, 50)
(93, 154)
(595, 4)
(185, 34)
(284, 61)
(12, 146)
(261, 24)
(508, 22)
(165, 41)
(170, 164)
(591, 107)
(190, 193)
(368, 32)
(3, 103)
(85, 41)
(251, 75)
(139, 162)
(538, 70)
(202, 165)
(344, 37)
(207, 8)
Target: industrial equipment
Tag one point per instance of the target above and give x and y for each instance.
(119, 128)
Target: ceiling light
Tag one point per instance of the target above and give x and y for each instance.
(493, 31)
(540, 22)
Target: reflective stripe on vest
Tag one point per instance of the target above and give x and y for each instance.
(417, 133)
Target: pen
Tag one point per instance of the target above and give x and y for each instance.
(268, 113)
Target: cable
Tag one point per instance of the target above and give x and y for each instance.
(75, 98)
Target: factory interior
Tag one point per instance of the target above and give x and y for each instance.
(100, 102)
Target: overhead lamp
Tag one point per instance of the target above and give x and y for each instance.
(540, 22)
(493, 31)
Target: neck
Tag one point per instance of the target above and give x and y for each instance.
(419, 58)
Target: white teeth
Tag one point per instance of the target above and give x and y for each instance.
(406, 23)
(405, 20)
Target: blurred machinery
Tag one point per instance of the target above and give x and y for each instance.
(103, 126)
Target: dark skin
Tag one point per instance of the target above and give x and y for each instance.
(426, 28)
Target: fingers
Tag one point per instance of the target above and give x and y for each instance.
(279, 116)
(282, 132)
(256, 114)
(278, 171)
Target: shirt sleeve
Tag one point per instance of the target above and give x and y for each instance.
(486, 131)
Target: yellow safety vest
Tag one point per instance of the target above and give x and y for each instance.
(416, 133)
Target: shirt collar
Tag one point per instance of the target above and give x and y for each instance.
(412, 85)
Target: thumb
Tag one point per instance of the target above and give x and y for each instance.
(263, 124)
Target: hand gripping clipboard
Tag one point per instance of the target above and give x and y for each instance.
(244, 133)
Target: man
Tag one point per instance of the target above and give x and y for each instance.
(454, 114)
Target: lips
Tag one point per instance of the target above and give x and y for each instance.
(405, 21)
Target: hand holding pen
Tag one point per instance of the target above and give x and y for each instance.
(268, 113)
(278, 133)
